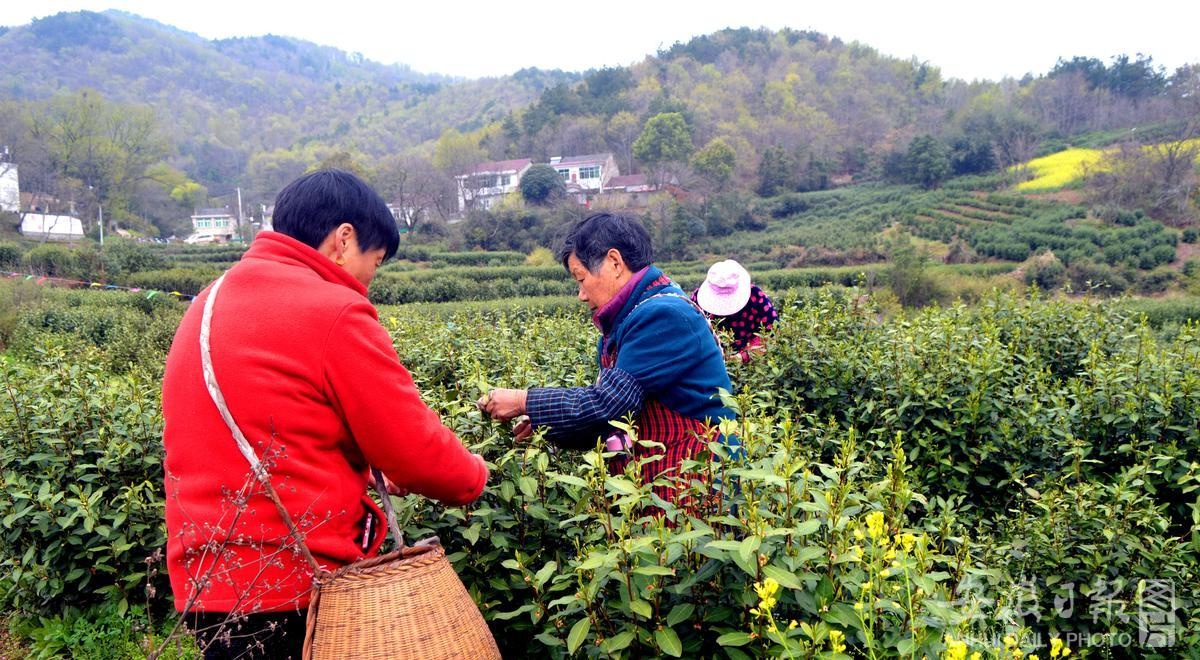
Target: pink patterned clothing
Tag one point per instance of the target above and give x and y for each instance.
(756, 317)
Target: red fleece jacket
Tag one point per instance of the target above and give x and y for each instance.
(315, 384)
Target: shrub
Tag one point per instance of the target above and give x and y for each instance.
(1159, 313)
(1155, 281)
(187, 281)
(10, 255)
(908, 277)
(787, 205)
(122, 258)
(541, 257)
(1082, 540)
(477, 258)
(15, 297)
(1046, 271)
(82, 475)
(130, 332)
(103, 632)
(915, 467)
(679, 585)
(52, 261)
(1087, 276)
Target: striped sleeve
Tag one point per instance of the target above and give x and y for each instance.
(576, 416)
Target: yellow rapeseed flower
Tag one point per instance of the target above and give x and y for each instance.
(766, 588)
(837, 641)
(956, 649)
(875, 524)
(766, 591)
(1058, 649)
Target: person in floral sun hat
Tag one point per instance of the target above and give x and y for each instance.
(735, 304)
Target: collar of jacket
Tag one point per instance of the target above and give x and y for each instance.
(635, 290)
(274, 246)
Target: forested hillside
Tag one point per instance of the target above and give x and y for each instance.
(218, 104)
(750, 111)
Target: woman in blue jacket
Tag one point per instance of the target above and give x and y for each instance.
(660, 363)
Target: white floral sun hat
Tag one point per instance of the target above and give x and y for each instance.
(726, 289)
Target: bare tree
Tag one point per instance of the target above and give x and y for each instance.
(1064, 102)
(622, 129)
(1158, 178)
(418, 189)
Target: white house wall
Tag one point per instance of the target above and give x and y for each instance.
(44, 227)
(10, 188)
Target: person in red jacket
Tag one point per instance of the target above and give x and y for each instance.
(314, 383)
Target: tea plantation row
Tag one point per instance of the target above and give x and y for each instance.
(918, 485)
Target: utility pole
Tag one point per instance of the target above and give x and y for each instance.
(241, 231)
(100, 208)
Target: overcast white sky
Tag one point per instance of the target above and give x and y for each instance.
(473, 38)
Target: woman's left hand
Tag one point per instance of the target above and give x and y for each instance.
(523, 429)
(503, 404)
(392, 488)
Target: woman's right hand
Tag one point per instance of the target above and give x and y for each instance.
(503, 404)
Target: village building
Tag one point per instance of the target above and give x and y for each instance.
(10, 189)
(585, 176)
(49, 227)
(483, 184)
(629, 191)
(212, 226)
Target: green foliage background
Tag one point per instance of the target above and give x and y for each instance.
(1017, 447)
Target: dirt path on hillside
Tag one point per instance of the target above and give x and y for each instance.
(1065, 196)
(1184, 252)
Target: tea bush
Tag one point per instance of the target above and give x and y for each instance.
(133, 332)
(122, 258)
(10, 255)
(995, 405)
(989, 396)
(188, 281)
(908, 482)
(53, 261)
(567, 558)
(81, 464)
(477, 258)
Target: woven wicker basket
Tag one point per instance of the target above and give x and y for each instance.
(405, 604)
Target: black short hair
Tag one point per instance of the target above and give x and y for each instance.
(311, 207)
(592, 237)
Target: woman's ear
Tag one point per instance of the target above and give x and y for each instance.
(618, 262)
(345, 233)
(338, 242)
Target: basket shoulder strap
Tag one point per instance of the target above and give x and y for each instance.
(256, 465)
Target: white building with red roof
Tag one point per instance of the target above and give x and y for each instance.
(483, 184)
